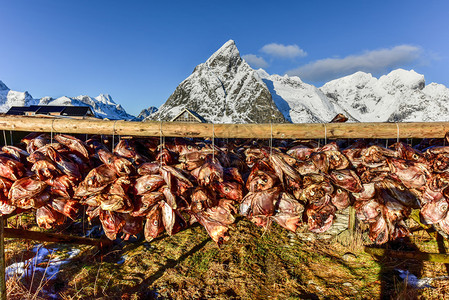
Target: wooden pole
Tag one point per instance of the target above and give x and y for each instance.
(352, 220)
(262, 131)
(53, 237)
(433, 257)
(2, 261)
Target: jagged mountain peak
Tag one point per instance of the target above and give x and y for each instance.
(145, 113)
(105, 98)
(228, 51)
(3, 86)
(224, 59)
(224, 89)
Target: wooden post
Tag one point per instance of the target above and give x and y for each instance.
(53, 237)
(2, 261)
(352, 220)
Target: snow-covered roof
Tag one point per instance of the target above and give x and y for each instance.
(191, 113)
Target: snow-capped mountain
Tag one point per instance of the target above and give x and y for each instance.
(299, 102)
(145, 113)
(397, 96)
(103, 106)
(10, 98)
(224, 89)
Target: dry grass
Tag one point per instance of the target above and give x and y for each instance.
(17, 290)
(253, 264)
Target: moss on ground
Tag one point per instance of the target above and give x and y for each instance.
(254, 264)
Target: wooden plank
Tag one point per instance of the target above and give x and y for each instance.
(53, 237)
(178, 129)
(433, 257)
(2, 261)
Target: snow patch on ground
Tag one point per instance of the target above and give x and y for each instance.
(45, 262)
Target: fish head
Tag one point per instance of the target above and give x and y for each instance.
(321, 161)
(229, 190)
(337, 160)
(346, 179)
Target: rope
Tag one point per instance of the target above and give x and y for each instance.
(397, 126)
(10, 135)
(271, 139)
(161, 141)
(213, 142)
(113, 135)
(325, 134)
(4, 136)
(51, 132)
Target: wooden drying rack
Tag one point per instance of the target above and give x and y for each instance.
(194, 130)
(258, 131)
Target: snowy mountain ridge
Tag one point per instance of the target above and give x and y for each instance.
(226, 89)
(103, 106)
(145, 113)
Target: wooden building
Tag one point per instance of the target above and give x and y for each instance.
(77, 112)
(187, 115)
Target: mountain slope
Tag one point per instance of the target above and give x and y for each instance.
(10, 98)
(299, 102)
(224, 89)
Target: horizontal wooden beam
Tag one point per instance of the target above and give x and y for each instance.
(53, 237)
(260, 131)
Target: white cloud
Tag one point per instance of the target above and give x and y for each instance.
(283, 51)
(374, 61)
(255, 61)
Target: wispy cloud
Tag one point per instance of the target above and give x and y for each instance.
(283, 51)
(255, 61)
(374, 61)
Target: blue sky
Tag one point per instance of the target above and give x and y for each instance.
(139, 51)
